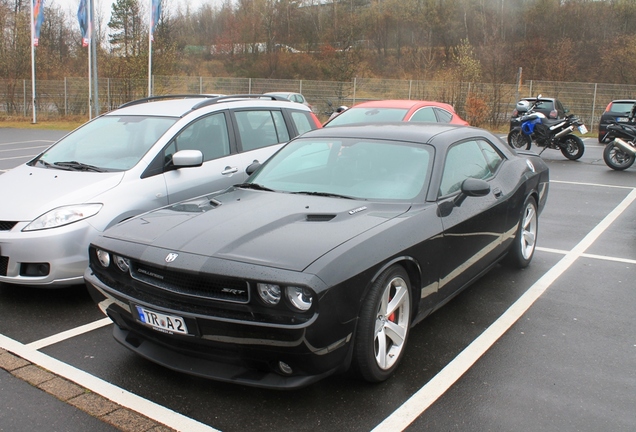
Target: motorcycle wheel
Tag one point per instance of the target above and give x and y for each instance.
(572, 147)
(517, 140)
(617, 159)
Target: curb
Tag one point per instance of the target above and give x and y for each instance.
(83, 399)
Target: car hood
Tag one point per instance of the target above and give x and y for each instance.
(286, 231)
(27, 192)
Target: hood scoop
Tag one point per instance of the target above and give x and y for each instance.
(319, 217)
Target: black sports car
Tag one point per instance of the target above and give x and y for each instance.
(325, 258)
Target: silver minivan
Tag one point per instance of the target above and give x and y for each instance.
(143, 155)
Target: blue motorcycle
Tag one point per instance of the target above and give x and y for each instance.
(535, 127)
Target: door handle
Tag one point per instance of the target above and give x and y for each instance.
(229, 170)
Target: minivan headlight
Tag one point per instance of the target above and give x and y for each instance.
(63, 216)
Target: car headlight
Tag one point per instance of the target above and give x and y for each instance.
(269, 293)
(103, 257)
(63, 216)
(300, 298)
(122, 263)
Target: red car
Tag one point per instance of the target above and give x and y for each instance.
(398, 110)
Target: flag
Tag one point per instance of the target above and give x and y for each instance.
(84, 22)
(38, 19)
(154, 16)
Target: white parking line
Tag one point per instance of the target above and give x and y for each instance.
(69, 334)
(48, 142)
(593, 256)
(116, 394)
(436, 387)
(23, 148)
(18, 157)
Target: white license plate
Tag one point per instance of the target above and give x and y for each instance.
(583, 129)
(161, 322)
(622, 119)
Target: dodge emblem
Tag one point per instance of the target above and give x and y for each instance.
(171, 257)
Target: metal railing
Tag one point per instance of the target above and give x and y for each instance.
(69, 97)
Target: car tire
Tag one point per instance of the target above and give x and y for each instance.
(522, 249)
(383, 326)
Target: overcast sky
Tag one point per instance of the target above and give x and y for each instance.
(105, 6)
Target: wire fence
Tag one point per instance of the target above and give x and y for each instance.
(70, 96)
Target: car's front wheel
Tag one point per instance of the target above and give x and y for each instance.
(383, 326)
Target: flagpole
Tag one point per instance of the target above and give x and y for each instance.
(150, 22)
(90, 83)
(93, 47)
(33, 63)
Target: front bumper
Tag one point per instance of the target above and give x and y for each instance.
(250, 353)
(50, 258)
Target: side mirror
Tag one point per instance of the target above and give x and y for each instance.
(186, 159)
(472, 187)
(251, 168)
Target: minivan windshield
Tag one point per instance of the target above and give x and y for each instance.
(108, 143)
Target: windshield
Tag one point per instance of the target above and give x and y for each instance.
(348, 168)
(365, 115)
(108, 143)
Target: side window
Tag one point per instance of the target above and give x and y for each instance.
(443, 115)
(302, 122)
(424, 115)
(208, 134)
(493, 158)
(467, 159)
(261, 128)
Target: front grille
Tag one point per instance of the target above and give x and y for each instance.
(4, 265)
(7, 225)
(207, 287)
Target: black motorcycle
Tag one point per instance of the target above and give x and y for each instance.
(547, 133)
(619, 154)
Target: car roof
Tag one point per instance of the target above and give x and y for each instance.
(440, 134)
(401, 103)
(180, 105)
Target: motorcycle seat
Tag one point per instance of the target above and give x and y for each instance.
(629, 129)
(551, 122)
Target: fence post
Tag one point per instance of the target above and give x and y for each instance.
(24, 97)
(200, 85)
(300, 85)
(410, 88)
(249, 86)
(593, 107)
(355, 82)
(65, 98)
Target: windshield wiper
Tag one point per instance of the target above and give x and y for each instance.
(253, 186)
(46, 164)
(324, 194)
(78, 166)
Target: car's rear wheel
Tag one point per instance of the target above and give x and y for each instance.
(522, 248)
(383, 326)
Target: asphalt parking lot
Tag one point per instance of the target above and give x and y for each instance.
(548, 348)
